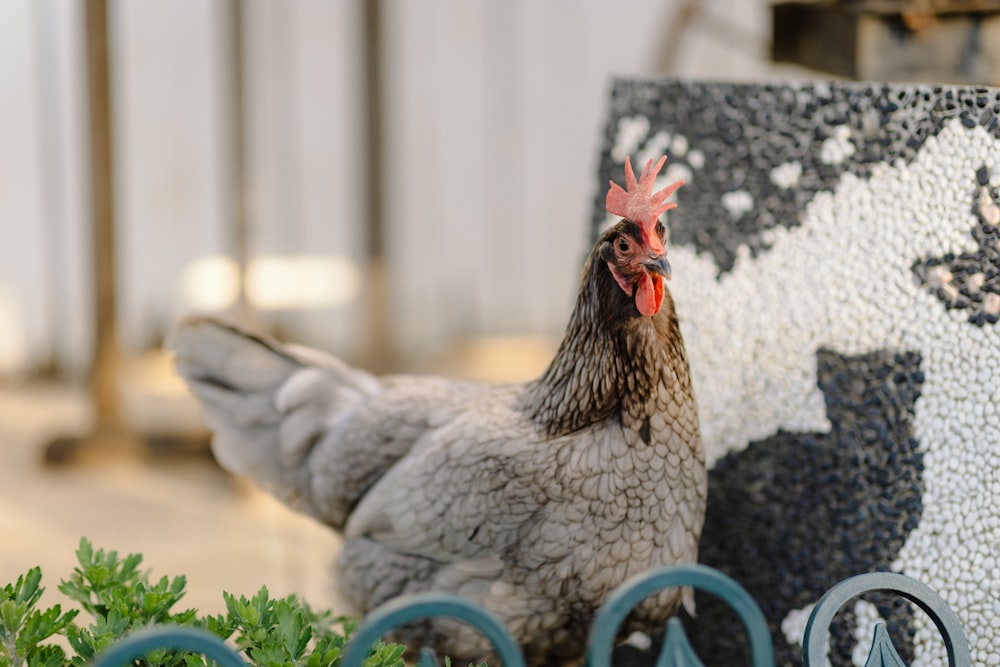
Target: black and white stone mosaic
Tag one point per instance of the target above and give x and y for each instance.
(869, 456)
(757, 154)
(836, 259)
(971, 280)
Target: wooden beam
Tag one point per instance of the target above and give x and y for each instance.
(240, 223)
(378, 354)
(875, 40)
(105, 372)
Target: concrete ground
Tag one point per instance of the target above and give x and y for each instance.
(184, 515)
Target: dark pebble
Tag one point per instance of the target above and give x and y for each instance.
(983, 175)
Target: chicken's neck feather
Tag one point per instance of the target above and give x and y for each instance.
(611, 359)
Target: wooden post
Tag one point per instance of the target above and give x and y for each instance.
(379, 354)
(105, 373)
(237, 91)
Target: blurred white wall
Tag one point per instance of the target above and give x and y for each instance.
(494, 118)
(44, 302)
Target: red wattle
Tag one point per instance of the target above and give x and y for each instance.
(649, 295)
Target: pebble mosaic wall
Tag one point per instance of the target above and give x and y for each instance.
(836, 261)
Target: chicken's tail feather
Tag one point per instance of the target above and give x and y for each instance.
(213, 352)
(267, 403)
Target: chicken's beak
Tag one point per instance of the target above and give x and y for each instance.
(658, 265)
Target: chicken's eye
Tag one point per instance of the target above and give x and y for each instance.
(659, 228)
(622, 245)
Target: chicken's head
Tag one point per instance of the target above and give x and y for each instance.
(634, 249)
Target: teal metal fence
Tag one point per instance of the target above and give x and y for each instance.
(882, 652)
(676, 651)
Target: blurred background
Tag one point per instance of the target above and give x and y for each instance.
(405, 184)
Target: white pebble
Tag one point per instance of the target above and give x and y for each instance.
(737, 202)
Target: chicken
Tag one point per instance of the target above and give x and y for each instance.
(533, 500)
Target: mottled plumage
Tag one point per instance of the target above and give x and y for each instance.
(534, 500)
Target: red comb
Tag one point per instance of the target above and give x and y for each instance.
(638, 203)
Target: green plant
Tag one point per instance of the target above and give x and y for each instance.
(120, 598)
(23, 628)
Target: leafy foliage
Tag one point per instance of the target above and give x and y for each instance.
(121, 598)
(23, 628)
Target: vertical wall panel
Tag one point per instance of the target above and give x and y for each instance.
(565, 71)
(64, 182)
(271, 99)
(434, 170)
(512, 270)
(171, 198)
(23, 280)
(328, 138)
(731, 43)
(305, 148)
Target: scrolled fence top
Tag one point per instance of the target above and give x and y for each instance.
(194, 640)
(609, 618)
(410, 608)
(632, 592)
(947, 622)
